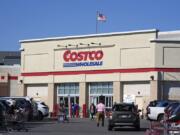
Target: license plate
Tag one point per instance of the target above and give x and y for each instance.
(123, 116)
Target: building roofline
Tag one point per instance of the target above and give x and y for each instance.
(165, 41)
(10, 66)
(169, 32)
(89, 36)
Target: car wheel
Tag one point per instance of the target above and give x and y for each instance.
(137, 127)
(40, 116)
(160, 117)
(110, 128)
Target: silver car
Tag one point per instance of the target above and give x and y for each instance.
(43, 110)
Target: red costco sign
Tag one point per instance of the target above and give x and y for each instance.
(83, 58)
(82, 55)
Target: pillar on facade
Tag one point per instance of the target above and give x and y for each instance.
(22, 90)
(117, 92)
(4, 89)
(155, 91)
(83, 96)
(52, 97)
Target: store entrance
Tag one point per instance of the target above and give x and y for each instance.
(107, 100)
(68, 94)
(68, 102)
(101, 90)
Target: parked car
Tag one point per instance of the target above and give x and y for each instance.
(43, 110)
(4, 104)
(172, 112)
(2, 111)
(124, 114)
(26, 103)
(170, 108)
(155, 109)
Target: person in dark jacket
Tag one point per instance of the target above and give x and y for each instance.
(92, 110)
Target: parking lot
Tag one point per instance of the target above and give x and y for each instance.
(75, 126)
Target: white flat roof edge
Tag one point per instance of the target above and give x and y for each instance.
(10, 66)
(169, 32)
(165, 40)
(89, 35)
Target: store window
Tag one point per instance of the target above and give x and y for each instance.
(68, 93)
(101, 88)
(68, 88)
(104, 89)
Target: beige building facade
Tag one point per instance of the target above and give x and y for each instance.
(9, 83)
(136, 66)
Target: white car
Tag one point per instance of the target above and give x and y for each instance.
(43, 110)
(155, 110)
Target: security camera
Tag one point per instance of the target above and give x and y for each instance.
(21, 49)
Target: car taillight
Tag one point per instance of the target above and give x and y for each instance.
(177, 122)
(110, 115)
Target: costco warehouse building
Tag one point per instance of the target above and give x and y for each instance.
(135, 66)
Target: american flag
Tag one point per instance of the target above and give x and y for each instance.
(101, 17)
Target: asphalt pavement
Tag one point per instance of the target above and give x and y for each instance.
(75, 127)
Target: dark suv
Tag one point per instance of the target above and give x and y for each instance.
(124, 114)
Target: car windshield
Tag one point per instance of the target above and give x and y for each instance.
(172, 106)
(123, 108)
(23, 103)
(177, 110)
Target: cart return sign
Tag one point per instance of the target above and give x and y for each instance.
(82, 58)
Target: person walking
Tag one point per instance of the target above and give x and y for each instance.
(73, 111)
(76, 107)
(100, 113)
(92, 110)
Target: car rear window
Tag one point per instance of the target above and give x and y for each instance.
(152, 103)
(123, 108)
(162, 104)
(43, 103)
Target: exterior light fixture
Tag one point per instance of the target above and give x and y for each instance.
(73, 45)
(84, 44)
(21, 49)
(21, 81)
(62, 46)
(95, 43)
(152, 77)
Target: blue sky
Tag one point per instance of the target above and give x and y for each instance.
(29, 19)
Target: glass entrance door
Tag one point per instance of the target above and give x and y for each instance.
(68, 101)
(68, 93)
(107, 100)
(94, 99)
(103, 90)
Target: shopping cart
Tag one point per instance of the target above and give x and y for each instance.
(3, 125)
(16, 121)
(163, 128)
(63, 117)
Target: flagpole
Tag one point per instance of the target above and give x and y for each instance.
(97, 13)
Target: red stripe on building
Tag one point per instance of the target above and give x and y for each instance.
(13, 77)
(135, 70)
